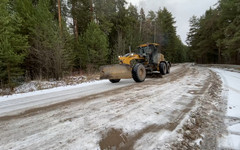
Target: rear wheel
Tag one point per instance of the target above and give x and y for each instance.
(168, 68)
(114, 80)
(163, 68)
(138, 73)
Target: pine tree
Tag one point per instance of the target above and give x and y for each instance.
(166, 34)
(142, 18)
(94, 47)
(192, 36)
(48, 57)
(230, 22)
(215, 36)
(132, 28)
(105, 11)
(13, 46)
(81, 14)
(118, 34)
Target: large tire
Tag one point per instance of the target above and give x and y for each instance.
(114, 80)
(138, 72)
(168, 68)
(163, 68)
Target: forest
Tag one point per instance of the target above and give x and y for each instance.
(50, 39)
(215, 36)
(44, 39)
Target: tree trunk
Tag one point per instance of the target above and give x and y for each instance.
(238, 58)
(59, 16)
(219, 56)
(40, 73)
(140, 31)
(75, 29)
(155, 30)
(119, 42)
(9, 75)
(91, 9)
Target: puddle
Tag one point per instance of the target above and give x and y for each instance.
(113, 140)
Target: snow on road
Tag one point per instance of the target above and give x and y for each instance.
(231, 85)
(17, 103)
(182, 110)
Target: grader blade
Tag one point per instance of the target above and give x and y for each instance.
(116, 71)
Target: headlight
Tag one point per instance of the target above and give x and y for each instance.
(132, 54)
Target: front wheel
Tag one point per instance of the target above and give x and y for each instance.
(163, 68)
(138, 73)
(114, 80)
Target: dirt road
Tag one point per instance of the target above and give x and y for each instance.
(182, 110)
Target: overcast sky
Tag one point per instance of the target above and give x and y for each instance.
(182, 10)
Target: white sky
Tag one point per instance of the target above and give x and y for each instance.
(182, 10)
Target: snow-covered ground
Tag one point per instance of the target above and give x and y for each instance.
(37, 85)
(182, 110)
(17, 103)
(231, 93)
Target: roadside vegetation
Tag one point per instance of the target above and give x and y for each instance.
(40, 41)
(215, 36)
(50, 39)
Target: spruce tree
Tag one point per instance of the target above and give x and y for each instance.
(48, 57)
(167, 34)
(13, 46)
(94, 47)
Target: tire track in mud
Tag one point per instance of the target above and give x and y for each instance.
(170, 126)
(205, 122)
(173, 76)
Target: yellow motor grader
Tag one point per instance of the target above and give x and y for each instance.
(147, 60)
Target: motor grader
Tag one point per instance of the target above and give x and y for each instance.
(147, 60)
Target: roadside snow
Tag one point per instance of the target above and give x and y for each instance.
(231, 92)
(45, 91)
(17, 103)
(36, 85)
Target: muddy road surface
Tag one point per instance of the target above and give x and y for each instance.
(181, 110)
